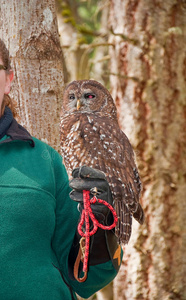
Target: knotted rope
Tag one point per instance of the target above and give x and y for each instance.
(86, 215)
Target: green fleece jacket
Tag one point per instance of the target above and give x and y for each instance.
(38, 222)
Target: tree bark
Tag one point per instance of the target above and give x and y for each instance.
(29, 30)
(148, 82)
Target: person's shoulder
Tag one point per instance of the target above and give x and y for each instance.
(42, 142)
(42, 145)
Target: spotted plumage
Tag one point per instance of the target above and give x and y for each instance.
(90, 135)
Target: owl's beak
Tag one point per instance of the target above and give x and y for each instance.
(78, 104)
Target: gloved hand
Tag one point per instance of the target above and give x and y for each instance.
(93, 180)
(103, 244)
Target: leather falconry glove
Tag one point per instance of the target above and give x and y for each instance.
(93, 180)
(103, 244)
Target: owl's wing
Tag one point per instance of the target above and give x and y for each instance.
(132, 184)
(111, 152)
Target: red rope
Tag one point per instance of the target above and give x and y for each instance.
(86, 214)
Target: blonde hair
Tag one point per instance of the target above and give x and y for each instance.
(7, 101)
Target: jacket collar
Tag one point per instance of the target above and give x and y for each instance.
(17, 132)
(5, 121)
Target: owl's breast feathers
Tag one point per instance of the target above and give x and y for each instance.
(97, 141)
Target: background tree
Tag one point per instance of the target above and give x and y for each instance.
(29, 29)
(148, 82)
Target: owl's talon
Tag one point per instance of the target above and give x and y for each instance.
(94, 191)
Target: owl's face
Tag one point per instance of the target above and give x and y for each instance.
(87, 96)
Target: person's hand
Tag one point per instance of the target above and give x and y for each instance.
(93, 180)
(103, 244)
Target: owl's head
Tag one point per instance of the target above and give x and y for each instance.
(88, 96)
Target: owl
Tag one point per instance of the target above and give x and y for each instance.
(90, 135)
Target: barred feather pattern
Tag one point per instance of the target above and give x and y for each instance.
(93, 138)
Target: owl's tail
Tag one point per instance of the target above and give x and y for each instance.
(124, 226)
(137, 212)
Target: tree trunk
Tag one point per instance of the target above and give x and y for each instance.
(29, 30)
(148, 81)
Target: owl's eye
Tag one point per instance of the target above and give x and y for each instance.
(71, 97)
(89, 96)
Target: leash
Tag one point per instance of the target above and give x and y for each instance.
(83, 254)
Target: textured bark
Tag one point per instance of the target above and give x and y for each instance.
(29, 29)
(149, 84)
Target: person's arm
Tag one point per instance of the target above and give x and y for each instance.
(66, 241)
(103, 244)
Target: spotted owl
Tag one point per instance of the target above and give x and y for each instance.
(90, 135)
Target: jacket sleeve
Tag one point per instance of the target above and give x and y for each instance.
(65, 240)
